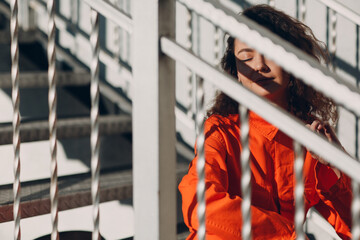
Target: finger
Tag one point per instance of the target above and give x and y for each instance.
(314, 125)
(330, 134)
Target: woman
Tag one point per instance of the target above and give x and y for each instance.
(272, 156)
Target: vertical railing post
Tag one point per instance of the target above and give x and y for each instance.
(15, 94)
(52, 119)
(190, 74)
(355, 210)
(245, 173)
(299, 190)
(94, 119)
(200, 165)
(154, 159)
(302, 10)
(333, 35)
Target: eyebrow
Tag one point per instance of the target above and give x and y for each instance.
(245, 50)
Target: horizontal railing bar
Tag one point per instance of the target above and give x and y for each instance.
(112, 13)
(290, 58)
(276, 116)
(24, 36)
(342, 10)
(67, 128)
(74, 192)
(40, 79)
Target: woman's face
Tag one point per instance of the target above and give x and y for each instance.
(262, 76)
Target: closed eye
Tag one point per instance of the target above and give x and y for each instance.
(245, 60)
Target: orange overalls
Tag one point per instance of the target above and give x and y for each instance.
(272, 163)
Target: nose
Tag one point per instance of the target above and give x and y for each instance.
(259, 64)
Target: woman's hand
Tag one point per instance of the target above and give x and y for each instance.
(329, 133)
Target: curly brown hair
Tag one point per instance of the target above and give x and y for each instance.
(304, 102)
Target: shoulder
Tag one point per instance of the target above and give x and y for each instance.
(217, 120)
(221, 127)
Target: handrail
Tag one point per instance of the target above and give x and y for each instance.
(332, 4)
(276, 116)
(112, 13)
(342, 10)
(288, 57)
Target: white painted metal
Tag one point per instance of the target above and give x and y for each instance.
(276, 116)
(245, 173)
(355, 211)
(299, 190)
(94, 119)
(52, 101)
(154, 156)
(271, 3)
(190, 75)
(288, 57)
(302, 10)
(14, 48)
(200, 165)
(333, 35)
(24, 16)
(341, 9)
(111, 13)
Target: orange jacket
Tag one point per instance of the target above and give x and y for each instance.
(272, 159)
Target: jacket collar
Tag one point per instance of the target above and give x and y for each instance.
(266, 129)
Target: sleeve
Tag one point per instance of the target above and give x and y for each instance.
(335, 198)
(223, 217)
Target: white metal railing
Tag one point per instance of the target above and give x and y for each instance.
(154, 118)
(342, 10)
(52, 119)
(16, 116)
(283, 120)
(244, 31)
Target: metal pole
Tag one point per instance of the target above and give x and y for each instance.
(200, 165)
(355, 211)
(302, 10)
(274, 115)
(190, 75)
(52, 118)
(245, 174)
(299, 190)
(95, 145)
(16, 114)
(271, 3)
(355, 206)
(154, 158)
(333, 34)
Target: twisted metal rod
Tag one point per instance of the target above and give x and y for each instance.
(333, 22)
(355, 206)
(118, 34)
(200, 166)
(290, 59)
(357, 118)
(52, 118)
(245, 174)
(16, 114)
(217, 47)
(190, 76)
(299, 191)
(355, 211)
(94, 118)
(271, 3)
(302, 10)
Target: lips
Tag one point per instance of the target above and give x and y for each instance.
(263, 80)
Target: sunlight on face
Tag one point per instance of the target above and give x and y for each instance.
(262, 76)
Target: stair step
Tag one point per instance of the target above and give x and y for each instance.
(67, 128)
(74, 192)
(40, 79)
